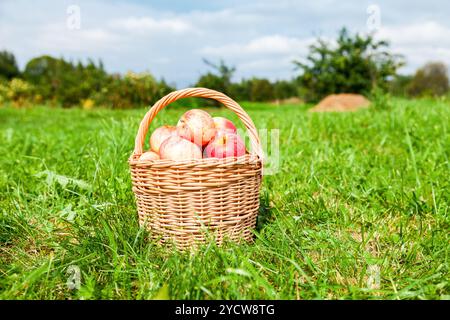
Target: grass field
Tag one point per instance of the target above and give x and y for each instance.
(359, 209)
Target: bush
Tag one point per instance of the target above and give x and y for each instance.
(284, 89)
(18, 92)
(215, 82)
(399, 84)
(261, 90)
(254, 89)
(3, 91)
(221, 81)
(131, 90)
(430, 80)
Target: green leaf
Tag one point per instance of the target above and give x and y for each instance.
(163, 293)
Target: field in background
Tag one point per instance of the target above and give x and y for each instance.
(359, 209)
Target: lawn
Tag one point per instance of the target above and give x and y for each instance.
(358, 209)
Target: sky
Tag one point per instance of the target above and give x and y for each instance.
(260, 38)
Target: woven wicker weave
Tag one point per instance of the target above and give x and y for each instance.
(187, 202)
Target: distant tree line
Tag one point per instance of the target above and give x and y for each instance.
(56, 81)
(353, 63)
(253, 89)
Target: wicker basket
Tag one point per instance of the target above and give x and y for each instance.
(187, 202)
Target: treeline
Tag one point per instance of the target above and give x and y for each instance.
(353, 64)
(431, 80)
(56, 81)
(254, 89)
(59, 82)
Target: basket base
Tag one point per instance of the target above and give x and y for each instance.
(240, 233)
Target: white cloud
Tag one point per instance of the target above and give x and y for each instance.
(429, 33)
(54, 37)
(268, 56)
(148, 24)
(419, 42)
(273, 44)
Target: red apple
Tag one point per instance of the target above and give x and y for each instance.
(177, 148)
(161, 134)
(223, 124)
(225, 145)
(197, 126)
(149, 155)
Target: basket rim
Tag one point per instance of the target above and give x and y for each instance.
(133, 160)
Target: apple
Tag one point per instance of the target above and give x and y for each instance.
(197, 126)
(177, 148)
(223, 124)
(161, 134)
(149, 155)
(225, 145)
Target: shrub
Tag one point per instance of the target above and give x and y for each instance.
(254, 89)
(283, 89)
(220, 81)
(399, 84)
(17, 91)
(131, 90)
(259, 90)
(430, 80)
(215, 82)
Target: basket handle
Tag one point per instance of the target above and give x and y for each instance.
(200, 93)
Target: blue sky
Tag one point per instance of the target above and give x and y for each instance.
(170, 38)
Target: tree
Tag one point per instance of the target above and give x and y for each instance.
(221, 81)
(261, 90)
(63, 81)
(54, 77)
(356, 64)
(399, 85)
(131, 90)
(284, 89)
(8, 65)
(225, 72)
(431, 79)
(212, 81)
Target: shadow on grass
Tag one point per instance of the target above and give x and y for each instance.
(265, 214)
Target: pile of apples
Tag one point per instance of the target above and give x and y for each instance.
(196, 136)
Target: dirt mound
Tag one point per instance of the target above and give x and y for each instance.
(341, 102)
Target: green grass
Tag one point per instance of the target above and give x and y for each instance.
(358, 195)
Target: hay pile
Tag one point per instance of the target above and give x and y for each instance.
(341, 102)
